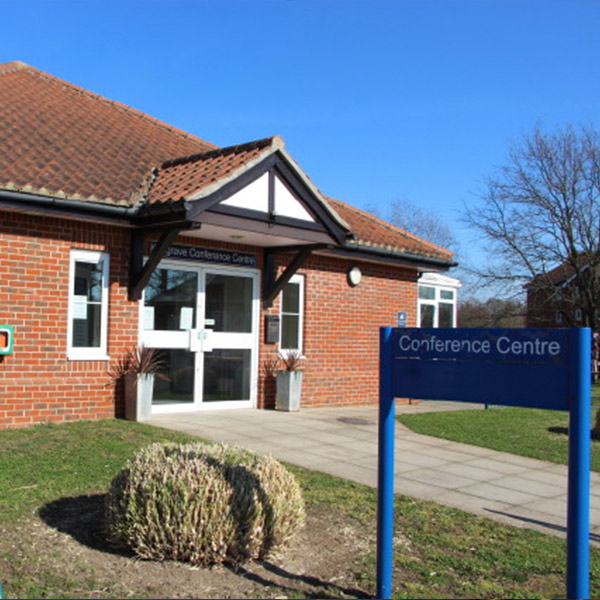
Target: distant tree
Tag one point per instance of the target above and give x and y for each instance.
(494, 312)
(419, 221)
(542, 209)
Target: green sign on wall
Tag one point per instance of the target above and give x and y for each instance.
(7, 339)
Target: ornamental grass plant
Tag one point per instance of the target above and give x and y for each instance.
(203, 504)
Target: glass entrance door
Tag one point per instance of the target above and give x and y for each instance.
(204, 323)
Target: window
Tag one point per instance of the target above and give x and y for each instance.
(88, 305)
(292, 314)
(437, 306)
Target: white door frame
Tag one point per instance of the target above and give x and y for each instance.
(181, 338)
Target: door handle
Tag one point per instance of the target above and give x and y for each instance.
(201, 340)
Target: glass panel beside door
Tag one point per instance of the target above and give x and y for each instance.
(204, 323)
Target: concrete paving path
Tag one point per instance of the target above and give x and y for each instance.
(343, 442)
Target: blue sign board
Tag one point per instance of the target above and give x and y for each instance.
(471, 365)
(540, 368)
(401, 319)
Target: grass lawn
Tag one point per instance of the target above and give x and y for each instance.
(529, 432)
(439, 552)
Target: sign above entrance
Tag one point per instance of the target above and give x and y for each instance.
(211, 255)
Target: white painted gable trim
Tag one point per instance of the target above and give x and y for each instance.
(255, 196)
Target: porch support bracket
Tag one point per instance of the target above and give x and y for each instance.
(141, 272)
(273, 286)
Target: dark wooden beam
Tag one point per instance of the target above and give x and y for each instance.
(272, 287)
(140, 274)
(271, 197)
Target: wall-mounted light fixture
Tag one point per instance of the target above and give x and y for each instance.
(354, 276)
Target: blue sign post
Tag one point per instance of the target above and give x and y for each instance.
(536, 368)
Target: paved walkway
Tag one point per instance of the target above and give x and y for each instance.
(343, 442)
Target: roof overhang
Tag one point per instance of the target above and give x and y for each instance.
(256, 220)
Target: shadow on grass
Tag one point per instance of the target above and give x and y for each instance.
(323, 589)
(565, 431)
(594, 537)
(560, 430)
(81, 517)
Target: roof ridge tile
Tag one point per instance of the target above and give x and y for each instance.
(274, 141)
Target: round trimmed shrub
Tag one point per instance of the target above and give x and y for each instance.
(203, 504)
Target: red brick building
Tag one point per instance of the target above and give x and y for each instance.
(554, 299)
(117, 229)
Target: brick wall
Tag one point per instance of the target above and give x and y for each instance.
(541, 312)
(39, 385)
(341, 329)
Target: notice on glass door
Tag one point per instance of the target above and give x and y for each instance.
(148, 317)
(186, 317)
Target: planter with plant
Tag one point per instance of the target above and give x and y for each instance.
(289, 383)
(137, 370)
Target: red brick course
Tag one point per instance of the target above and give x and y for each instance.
(39, 385)
(341, 328)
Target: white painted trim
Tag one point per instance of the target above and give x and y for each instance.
(254, 196)
(89, 353)
(180, 338)
(299, 279)
(450, 285)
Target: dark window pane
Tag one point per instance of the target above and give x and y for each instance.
(227, 375)
(170, 296)
(446, 295)
(86, 332)
(446, 315)
(427, 314)
(426, 292)
(290, 298)
(178, 368)
(290, 338)
(88, 280)
(229, 303)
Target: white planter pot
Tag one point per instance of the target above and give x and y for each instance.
(289, 390)
(138, 397)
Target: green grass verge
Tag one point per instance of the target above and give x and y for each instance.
(44, 463)
(439, 552)
(528, 432)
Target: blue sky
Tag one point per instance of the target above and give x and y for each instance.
(377, 99)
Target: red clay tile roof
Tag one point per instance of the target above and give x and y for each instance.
(61, 140)
(375, 233)
(183, 178)
(562, 273)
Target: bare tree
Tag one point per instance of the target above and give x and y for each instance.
(540, 219)
(420, 222)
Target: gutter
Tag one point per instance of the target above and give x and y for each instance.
(21, 200)
(406, 256)
(79, 208)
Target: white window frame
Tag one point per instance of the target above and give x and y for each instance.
(436, 301)
(299, 279)
(89, 353)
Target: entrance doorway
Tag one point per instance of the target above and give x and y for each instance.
(204, 322)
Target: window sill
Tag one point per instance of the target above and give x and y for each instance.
(87, 357)
(283, 354)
